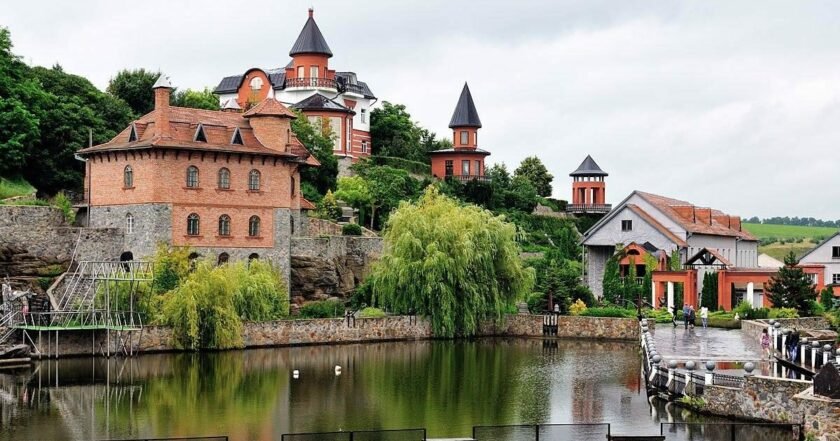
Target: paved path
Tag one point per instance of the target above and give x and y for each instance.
(704, 344)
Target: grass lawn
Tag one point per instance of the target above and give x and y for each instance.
(763, 231)
(810, 236)
(15, 187)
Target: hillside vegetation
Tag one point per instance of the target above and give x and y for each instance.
(778, 240)
(10, 188)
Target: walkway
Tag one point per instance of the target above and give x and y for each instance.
(700, 344)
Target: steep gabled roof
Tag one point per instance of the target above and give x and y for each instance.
(656, 224)
(269, 107)
(675, 209)
(465, 114)
(310, 40)
(588, 168)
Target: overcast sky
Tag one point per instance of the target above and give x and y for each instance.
(734, 105)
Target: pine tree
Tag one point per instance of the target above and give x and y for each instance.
(611, 284)
(708, 297)
(791, 287)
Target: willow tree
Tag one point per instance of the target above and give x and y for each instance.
(457, 264)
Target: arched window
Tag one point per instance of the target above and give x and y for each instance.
(192, 177)
(193, 225)
(129, 223)
(224, 178)
(256, 83)
(224, 225)
(253, 256)
(126, 256)
(254, 180)
(223, 258)
(254, 226)
(128, 177)
(292, 186)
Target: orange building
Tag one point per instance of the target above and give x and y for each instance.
(464, 161)
(338, 101)
(225, 183)
(589, 189)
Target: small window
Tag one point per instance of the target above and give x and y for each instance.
(478, 168)
(476, 137)
(292, 187)
(256, 83)
(465, 167)
(254, 180)
(132, 135)
(224, 225)
(465, 137)
(237, 137)
(291, 225)
(835, 252)
(224, 178)
(627, 225)
(288, 136)
(254, 226)
(449, 167)
(363, 115)
(193, 225)
(199, 134)
(364, 146)
(223, 258)
(129, 223)
(192, 177)
(835, 279)
(128, 177)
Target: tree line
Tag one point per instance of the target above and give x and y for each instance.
(799, 221)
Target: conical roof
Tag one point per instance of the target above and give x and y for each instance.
(465, 114)
(310, 40)
(269, 107)
(588, 168)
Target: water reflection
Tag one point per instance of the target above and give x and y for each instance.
(447, 387)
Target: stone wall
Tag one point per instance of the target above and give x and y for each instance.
(328, 331)
(752, 328)
(36, 241)
(321, 227)
(325, 267)
(777, 400)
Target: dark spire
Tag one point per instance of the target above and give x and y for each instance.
(310, 40)
(588, 168)
(465, 114)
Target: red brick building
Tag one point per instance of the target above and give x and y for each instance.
(464, 161)
(589, 189)
(336, 99)
(225, 183)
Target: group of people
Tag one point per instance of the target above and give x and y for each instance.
(690, 316)
(791, 350)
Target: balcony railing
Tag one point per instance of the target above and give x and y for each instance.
(325, 83)
(467, 178)
(588, 208)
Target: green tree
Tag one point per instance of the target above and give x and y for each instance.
(393, 133)
(611, 283)
(457, 264)
(791, 287)
(196, 99)
(319, 141)
(709, 294)
(387, 186)
(134, 86)
(19, 130)
(535, 172)
(827, 298)
(328, 207)
(355, 192)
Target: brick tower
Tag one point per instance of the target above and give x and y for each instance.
(588, 188)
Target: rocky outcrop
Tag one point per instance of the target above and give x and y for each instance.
(330, 267)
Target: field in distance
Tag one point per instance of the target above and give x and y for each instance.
(778, 240)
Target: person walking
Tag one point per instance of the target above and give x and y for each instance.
(692, 316)
(704, 316)
(685, 315)
(765, 343)
(674, 315)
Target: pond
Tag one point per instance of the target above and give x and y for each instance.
(445, 386)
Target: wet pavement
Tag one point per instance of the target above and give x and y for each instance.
(700, 344)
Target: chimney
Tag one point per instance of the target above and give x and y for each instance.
(704, 215)
(735, 223)
(162, 90)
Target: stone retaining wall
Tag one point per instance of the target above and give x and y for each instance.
(332, 331)
(320, 227)
(752, 328)
(776, 400)
(324, 267)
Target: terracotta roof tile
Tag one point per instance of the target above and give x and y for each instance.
(686, 215)
(269, 107)
(306, 205)
(656, 224)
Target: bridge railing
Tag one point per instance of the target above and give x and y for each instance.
(731, 431)
(542, 432)
(199, 438)
(359, 435)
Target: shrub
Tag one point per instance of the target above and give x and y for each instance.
(815, 308)
(66, 206)
(827, 298)
(207, 308)
(577, 308)
(783, 313)
(745, 311)
(321, 309)
(371, 312)
(536, 303)
(724, 322)
(659, 315)
(609, 311)
(15, 187)
(351, 230)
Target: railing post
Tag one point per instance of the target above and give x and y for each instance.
(814, 345)
(689, 367)
(537, 432)
(710, 376)
(803, 349)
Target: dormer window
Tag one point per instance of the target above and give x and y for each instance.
(199, 134)
(256, 83)
(237, 137)
(132, 135)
